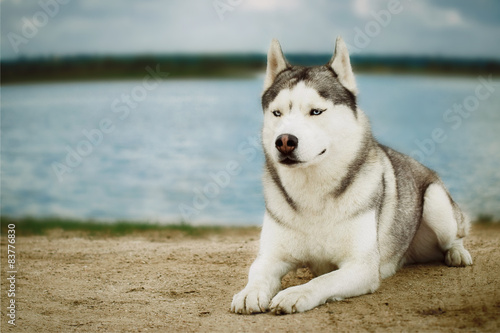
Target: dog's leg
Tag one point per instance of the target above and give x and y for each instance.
(441, 233)
(264, 281)
(358, 272)
(351, 279)
(264, 278)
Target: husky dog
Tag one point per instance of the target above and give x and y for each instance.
(337, 201)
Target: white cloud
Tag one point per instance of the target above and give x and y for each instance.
(436, 17)
(269, 5)
(362, 8)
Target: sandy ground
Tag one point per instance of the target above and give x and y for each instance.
(173, 283)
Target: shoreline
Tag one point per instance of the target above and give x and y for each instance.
(32, 226)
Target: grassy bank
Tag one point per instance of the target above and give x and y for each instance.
(29, 226)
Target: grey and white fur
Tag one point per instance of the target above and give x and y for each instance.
(337, 201)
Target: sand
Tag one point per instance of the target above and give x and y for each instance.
(157, 282)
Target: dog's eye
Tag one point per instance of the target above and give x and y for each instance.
(316, 112)
(277, 113)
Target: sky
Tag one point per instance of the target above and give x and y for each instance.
(450, 28)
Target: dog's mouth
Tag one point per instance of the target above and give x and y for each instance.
(287, 160)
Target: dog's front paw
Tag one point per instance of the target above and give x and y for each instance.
(458, 256)
(250, 301)
(293, 299)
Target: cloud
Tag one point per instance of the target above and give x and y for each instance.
(270, 5)
(436, 17)
(479, 12)
(362, 8)
(157, 26)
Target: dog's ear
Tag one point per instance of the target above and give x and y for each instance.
(341, 65)
(276, 63)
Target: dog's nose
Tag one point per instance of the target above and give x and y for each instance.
(286, 143)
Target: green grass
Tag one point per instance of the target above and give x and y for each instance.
(485, 219)
(29, 226)
(40, 226)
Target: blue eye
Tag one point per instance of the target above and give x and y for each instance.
(316, 112)
(277, 113)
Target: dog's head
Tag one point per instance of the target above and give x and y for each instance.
(309, 112)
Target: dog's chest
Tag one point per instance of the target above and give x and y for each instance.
(319, 227)
(317, 241)
(326, 235)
